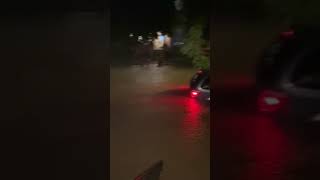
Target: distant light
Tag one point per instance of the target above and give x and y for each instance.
(178, 5)
(178, 43)
(130, 35)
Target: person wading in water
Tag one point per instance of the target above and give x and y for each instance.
(158, 51)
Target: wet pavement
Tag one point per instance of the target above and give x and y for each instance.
(248, 145)
(153, 119)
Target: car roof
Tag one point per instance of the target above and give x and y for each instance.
(288, 44)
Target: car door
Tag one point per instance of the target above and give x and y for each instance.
(205, 88)
(303, 86)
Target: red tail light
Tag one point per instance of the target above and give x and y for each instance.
(271, 101)
(194, 93)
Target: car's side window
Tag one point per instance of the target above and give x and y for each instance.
(195, 77)
(206, 84)
(307, 72)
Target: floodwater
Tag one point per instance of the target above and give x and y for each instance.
(152, 119)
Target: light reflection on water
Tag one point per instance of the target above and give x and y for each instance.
(192, 124)
(194, 121)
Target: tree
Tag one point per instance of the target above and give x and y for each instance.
(194, 46)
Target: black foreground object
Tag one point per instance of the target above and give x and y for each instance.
(153, 173)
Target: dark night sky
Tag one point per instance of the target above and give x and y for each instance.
(144, 16)
(141, 15)
(130, 15)
(52, 5)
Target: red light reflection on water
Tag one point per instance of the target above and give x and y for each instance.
(192, 125)
(254, 146)
(189, 109)
(270, 148)
(249, 146)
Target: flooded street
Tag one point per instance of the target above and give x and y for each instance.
(152, 119)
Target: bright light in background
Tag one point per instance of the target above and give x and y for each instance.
(178, 43)
(178, 5)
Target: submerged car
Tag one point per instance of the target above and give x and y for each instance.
(200, 85)
(288, 76)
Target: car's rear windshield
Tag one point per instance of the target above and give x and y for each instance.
(281, 48)
(307, 71)
(275, 58)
